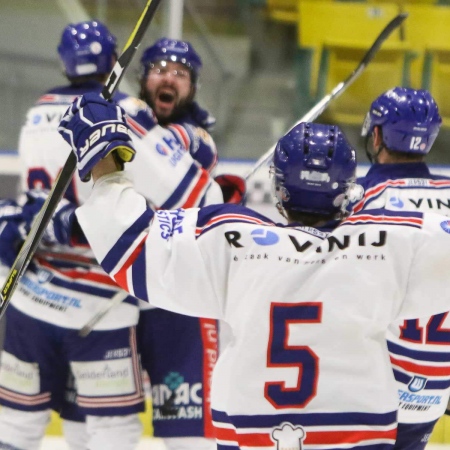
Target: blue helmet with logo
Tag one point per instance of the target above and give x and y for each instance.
(87, 48)
(314, 169)
(409, 120)
(172, 50)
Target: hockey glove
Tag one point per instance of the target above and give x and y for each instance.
(233, 188)
(12, 231)
(94, 128)
(60, 229)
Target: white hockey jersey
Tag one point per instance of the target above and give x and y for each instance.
(307, 365)
(67, 289)
(419, 348)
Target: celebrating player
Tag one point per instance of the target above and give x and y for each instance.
(179, 369)
(64, 287)
(307, 363)
(403, 124)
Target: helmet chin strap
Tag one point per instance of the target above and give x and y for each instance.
(281, 210)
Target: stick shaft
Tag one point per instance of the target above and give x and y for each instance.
(62, 182)
(320, 107)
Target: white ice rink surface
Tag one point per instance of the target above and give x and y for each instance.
(56, 443)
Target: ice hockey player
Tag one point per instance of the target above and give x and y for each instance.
(402, 125)
(308, 363)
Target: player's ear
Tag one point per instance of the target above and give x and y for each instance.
(377, 137)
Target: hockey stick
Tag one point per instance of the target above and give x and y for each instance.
(117, 299)
(320, 107)
(62, 182)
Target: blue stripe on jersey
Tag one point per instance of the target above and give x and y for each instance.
(76, 286)
(419, 355)
(174, 199)
(126, 240)
(359, 447)
(431, 384)
(306, 419)
(384, 216)
(208, 213)
(139, 276)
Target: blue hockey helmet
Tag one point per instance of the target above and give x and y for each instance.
(314, 169)
(409, 120)
(172, 50)
(87, 48)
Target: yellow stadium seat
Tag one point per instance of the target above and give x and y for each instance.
(406, 2)
(428, 30)
(283, 10)
(339, 34)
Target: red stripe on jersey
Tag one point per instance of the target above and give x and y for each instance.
(248, 439)
(348, 437)
(384, 219)
(182, 134)
(196, 193)
(209, 334)
(55, 98)
(121, 275)
(376, 190)
(421, 369)
(79, 275)
(337, 438)
(227, 217)
(136, 126)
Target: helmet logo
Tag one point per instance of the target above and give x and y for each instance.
(96, 48)
(312, 175)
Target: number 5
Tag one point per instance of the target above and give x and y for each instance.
(281, 354)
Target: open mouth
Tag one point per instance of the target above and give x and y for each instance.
(166, 97)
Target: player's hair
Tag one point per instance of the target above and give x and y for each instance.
(87, 49)
(314, 169)
(409, 120)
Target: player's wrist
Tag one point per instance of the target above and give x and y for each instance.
(105, 166)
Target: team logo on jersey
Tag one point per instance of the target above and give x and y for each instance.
(396, 202)
(170, 222)
(36, 119)
(288, 436)
(161, 149)
(262, 236)
(417, 384)
(44, 276)
(445, 225)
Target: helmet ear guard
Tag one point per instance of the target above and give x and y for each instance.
(314, 170)
(87, 48)
(409, 120)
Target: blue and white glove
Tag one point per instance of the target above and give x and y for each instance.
(12, 231)
(60, 229)
(94, 128)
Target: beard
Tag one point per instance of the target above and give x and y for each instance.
(179, 111)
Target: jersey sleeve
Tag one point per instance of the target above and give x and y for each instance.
(200, 144)
(165, 173)
(428, 291)
(154, 256)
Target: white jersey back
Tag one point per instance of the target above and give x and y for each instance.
(420, 349)
(307, 310)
